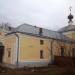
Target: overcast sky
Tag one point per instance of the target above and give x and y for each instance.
(50, 14)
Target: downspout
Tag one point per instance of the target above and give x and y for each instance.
(17, 60)
(52, 50)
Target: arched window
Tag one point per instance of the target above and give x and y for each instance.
(73, 52)
(62, 51)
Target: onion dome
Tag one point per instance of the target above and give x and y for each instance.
(70, 17)
(70, 27)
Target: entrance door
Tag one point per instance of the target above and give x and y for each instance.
(1, 53)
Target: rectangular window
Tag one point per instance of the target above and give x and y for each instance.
(9, 53)
(62, 51)
(41, 54)
(41, 42)
(73, 52)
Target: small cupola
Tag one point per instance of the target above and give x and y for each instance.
(70, 17)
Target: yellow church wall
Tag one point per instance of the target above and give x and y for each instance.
(10, 48)
(57, 48)
(70, 34)
(67, 49)
(30, 48)
(72, 46)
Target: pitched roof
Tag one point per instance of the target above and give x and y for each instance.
(26, 28)
(7, 28)
(67, 28)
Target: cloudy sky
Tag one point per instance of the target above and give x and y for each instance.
(50, 14)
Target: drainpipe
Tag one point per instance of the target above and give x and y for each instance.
(51, 50)
(17, 62)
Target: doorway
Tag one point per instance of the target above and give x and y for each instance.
(1, 52)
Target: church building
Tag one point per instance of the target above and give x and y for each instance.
(32, 46)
